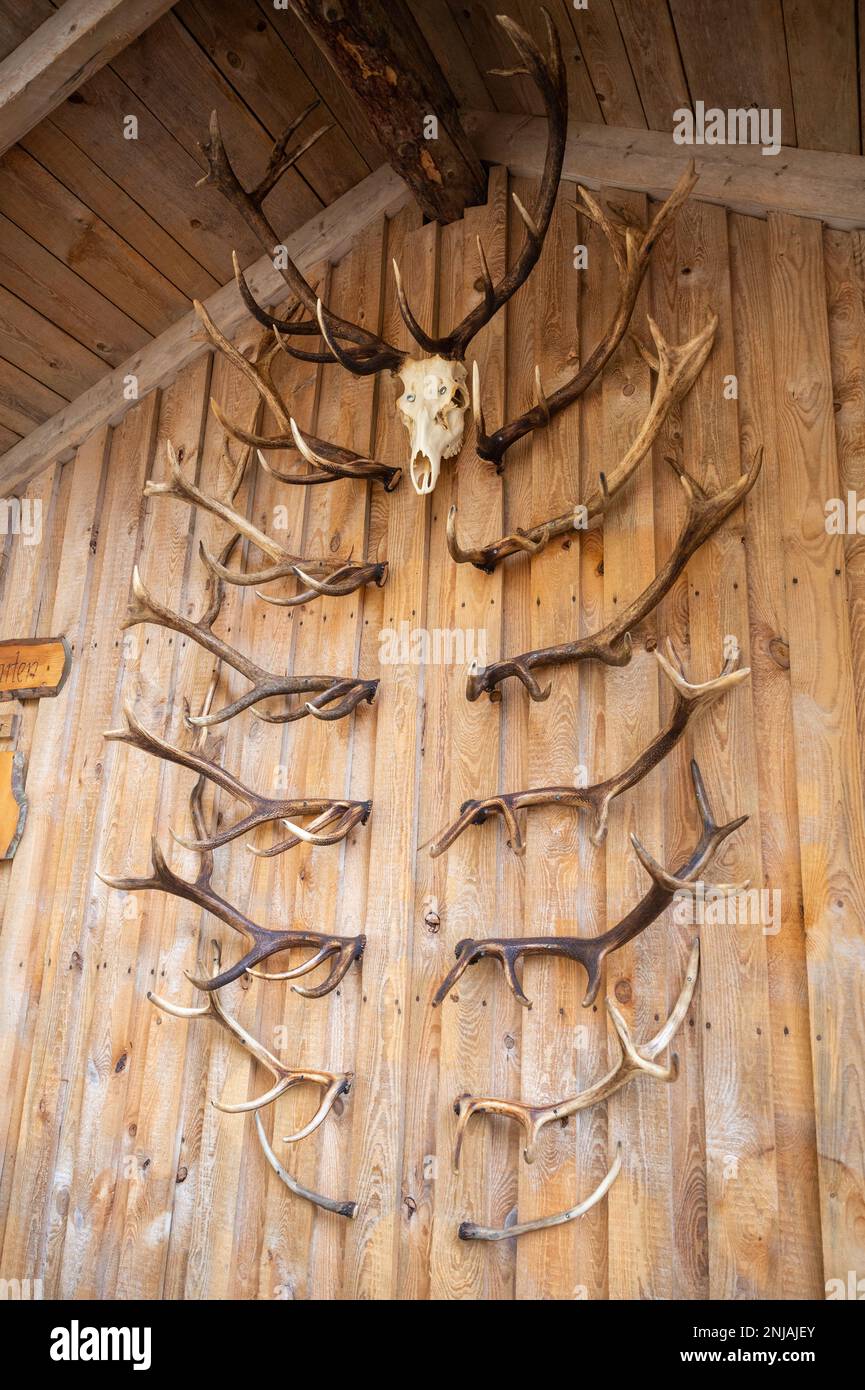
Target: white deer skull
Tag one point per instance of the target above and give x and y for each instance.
(433, 406)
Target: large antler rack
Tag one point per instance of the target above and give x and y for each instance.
(612, 645)
(688, 700)
(591, 952)
(366, 352)
(333, 697)
(343, 815)
(340, 951)
(329, 462)
(677, 367)
(322, 575)
(632, 1062)
(631, 247)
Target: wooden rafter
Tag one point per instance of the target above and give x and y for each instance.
(804, 183)
(79, 39)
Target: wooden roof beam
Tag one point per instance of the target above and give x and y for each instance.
(383, 59)
(79, 39)
(326, 237)
(804, 183)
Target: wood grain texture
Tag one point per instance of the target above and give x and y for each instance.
(745, 1177)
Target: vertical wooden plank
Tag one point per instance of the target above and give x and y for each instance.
(829, 781)
(690, 1253)
(640, 1218)
(331, 882)
(422, 1163)
(61, 869)
(196, 1124)
(473, 1030)
(800, 1263)
(371, 1264)
(547, 1265)
(740, 1138)
(102, 1147)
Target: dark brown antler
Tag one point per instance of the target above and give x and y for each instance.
(548, 75)
(612, 645)
(330, 462)
(632, 1062)
(591, 952)
(333, 696)
(341, 951)
(596, 800)
(320, 575)
(332, 1084)
(370, 351)
(632, 248)
(677, 367)
(470, 1230)
(342, 814)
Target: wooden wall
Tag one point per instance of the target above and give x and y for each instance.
(745, 1178)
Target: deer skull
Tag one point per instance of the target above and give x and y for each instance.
(433, 406)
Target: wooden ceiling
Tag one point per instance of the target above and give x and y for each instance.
(104, 240)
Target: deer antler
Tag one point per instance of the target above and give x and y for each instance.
(631, 247)
(344, 575)
(336, 697)
(591, 952)
(677, 368)
(632, 1062)
(330, 461)
(612, 645)
(470, 1230)
(343, 815)
(688, 700)
(332, 1084)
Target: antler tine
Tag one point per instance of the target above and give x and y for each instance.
(339, 583)
(678, 1013)
(421, 337)
(348, 1209)
(347, 815)
(632, 1061)
(249, 204)
(703, 516)
(677, 366)
(631, 249)
(470, 1230)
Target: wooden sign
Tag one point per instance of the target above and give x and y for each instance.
(32, 668)
(13, 802)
